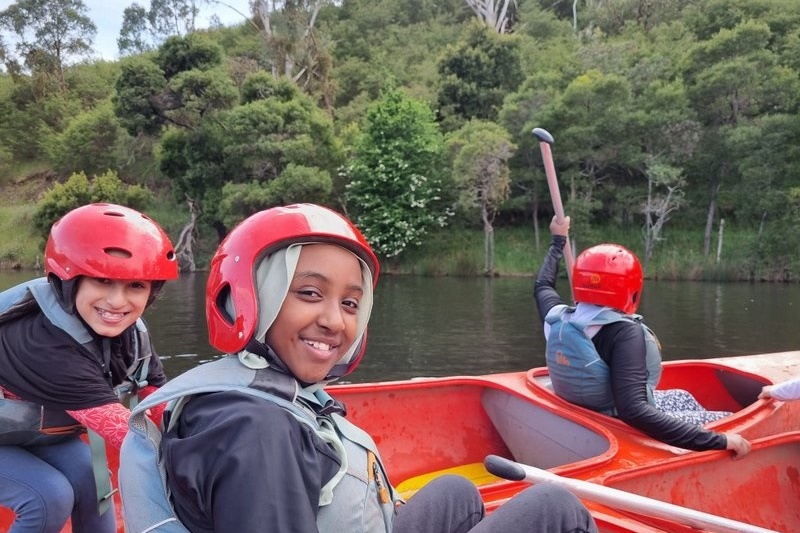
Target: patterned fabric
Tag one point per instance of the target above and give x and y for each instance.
(110, 421)
(680, 404)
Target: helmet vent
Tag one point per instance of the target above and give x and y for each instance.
(224, 304)
(118, 252)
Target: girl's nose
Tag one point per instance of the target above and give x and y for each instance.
(332, 317)
(116, 296)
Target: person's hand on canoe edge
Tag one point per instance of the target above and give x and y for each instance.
(738, 444)
(766, 393)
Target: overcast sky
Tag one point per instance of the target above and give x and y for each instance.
(107, 16)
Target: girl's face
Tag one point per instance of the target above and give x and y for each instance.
(317, 323)
(109, 306)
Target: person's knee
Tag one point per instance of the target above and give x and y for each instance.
(49, 502)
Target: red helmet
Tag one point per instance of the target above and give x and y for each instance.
(234, 265)
(83, 242)
(608, 275)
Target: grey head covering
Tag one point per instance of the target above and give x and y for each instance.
(273, 277)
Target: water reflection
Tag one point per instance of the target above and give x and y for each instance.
(449, 326)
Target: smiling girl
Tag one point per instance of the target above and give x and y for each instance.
(72, 348)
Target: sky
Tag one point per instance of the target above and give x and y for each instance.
(107, 16)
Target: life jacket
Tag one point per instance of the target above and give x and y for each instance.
(360, 500)
(25, 423)
(577, 372)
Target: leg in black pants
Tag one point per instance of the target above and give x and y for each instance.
(452, 504)
(542, 508)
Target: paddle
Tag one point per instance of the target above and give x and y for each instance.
(545, 140)
(619, 499)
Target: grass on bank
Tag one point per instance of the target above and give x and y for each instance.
(459, 252)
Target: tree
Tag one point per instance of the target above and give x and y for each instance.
(497, 16)
(296, 50)
(476, 74)
(394, 193)
(49, 33)
(276, 146)
(660, 206)
(92, 143)
(480, 152)
(145, 29)
(181, 86)
(731, 78)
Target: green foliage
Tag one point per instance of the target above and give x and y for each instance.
(190, 52)
(263, 86)
(181, 85)
(710, 88)
(134, 104)
(280, 131)
(93, 142)
(78, 190)
(295, 184)
(476, 74)
(395, 177)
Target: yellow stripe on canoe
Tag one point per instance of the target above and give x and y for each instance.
(475, 472)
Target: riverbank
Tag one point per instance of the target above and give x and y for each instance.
(451, 251)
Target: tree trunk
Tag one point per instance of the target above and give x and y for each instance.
(184, 250)
(488, 242)
(716, 182)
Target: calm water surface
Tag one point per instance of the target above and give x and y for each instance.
(449, 326)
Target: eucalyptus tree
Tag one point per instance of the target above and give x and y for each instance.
(499, 16)
(145, 29)
(479, 152)
(48, 34)
(293, 45)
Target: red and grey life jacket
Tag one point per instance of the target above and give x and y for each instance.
(357, 500)
(26, 423)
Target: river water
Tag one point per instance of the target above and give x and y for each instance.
(424, 326)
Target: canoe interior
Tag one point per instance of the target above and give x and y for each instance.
(762, 488)
(717, 387)
(430, 425)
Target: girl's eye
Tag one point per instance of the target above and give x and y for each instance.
(139, 285)
(351, 304)
(104, 281)
(308, 293)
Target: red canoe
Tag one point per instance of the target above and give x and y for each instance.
(427, 426)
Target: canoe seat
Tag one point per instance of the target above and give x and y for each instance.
(475, 472)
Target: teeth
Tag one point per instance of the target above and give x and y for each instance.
(109, 314)
(319, 345)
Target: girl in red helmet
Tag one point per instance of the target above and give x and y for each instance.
(72, 348)
(252, 442)
(601, 356)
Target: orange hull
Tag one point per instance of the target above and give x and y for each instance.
(428, 425)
